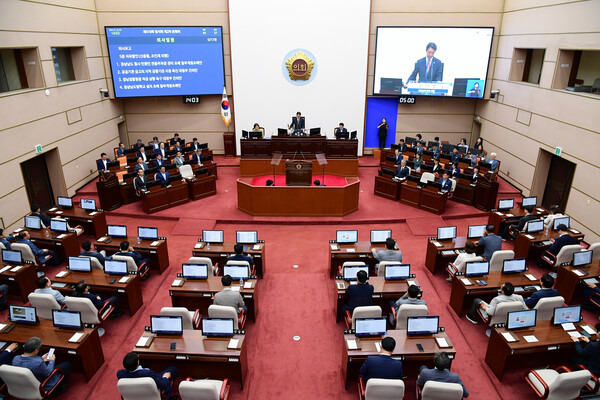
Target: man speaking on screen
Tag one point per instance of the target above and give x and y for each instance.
(429, 68)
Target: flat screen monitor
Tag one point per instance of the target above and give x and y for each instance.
(115, 267)
(237, 272)
(397, 271)
(529, 201)
(446, 232)
(458, 68)
(424, 325)
(563, 315)
(88, 204)
(535, 226)
(246, 237)
(476, 231)
(346, 236)
(217, 327)
(80, 264)
(520, 319)
(314, 131)
(33, 222)
(343, 135)
(370, 326)
(66, 319)
(212, 236)
(148, 233)
(349, 272)
(514, 266)
(117, 231)
(22, 315)
(582, 258)
(166, 60)
(244, 134)
(561, 220)
(58, 225)
(477, 268)
(166, 325)
(65, 202)
(380, 236)
(12, 256)
(194, 271)
(506, 204)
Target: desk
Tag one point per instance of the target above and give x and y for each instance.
(427, 198)
(68, 246)
(528, 245)
(86, 355)
(359, 251)
(200, 294)
(500, 218)
(437, 258)
(386, 187)
(463, 295)
(20, 283)
(109, 192)
(289, 145)
(197, 356)
(158, 255)
(129, 293)
(160, 198)
(220, 252)
(406, 351)
(203, 186)
(92, 224)
(568, 281)
(250, 167)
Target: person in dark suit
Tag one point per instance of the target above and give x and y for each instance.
(429, 68)
(87, 251)
(102, 163)
(164, 380)
(476, 175)
(197, 157)
(382, 366)
(7, 355)
(6, 240)
(163, 175)
(455, 157)
(36, 212)
(402, 172)
(121, 150)
(340, 129)
(489, 243)
(127, 250)
(437, 168)
(195, 144)
(475, 91)
(563, 239)
(397, 156)
(382, 129)
(419, 148)
(142, 154)
(82, 290)
(161, 150)
(436, 151)
(547, 282)
(177, 147)
(445, 182)
(42, 255)
(141, 181)
(141, 165)
(158, 161)
(155, 143)
(239, 255)
(441, 372)
(454, 170)
(522, 221)
(402, 146)
(138, 144)
(590, 355)
(359, 295)
(176, 140)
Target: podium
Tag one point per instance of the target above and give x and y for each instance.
(486, 193)
(298, 173)
(109, 192)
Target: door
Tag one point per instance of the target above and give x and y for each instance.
(37, 182)
(123, 136)
(558, 184)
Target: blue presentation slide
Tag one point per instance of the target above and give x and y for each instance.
(166, 61)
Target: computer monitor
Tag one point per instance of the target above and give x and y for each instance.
(246, 237)
(370, 326)
(194, 271)
(237, 272)
(281, 132)
(520, 319)
(64, 202)
(80, 264)
(66, 319)
(349, 272)
(115, 267)
(244, 134)
(561, 220)
(424, 325)
(256, 134)
(217, 327)
(314, 132)
(12, 256)
(477, 268)
(446, 232)
(22, 315)
(476, 231)
(117, 231)
(346, 236)
(397, 271)
(353, 135)
(88, 204)
(212, 236)
(506, 204)
(343, 135)
(58, 225)
(563, 315)
(529, 201)
(166, 325)
(148, 233)
(33, 222)
(380, 236)
(514, 266)
(582, 258)
(535, 226)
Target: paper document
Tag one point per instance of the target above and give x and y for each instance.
(588, 329)
(529, 236)
(2, 326)
(233, 343)
(568, 326)
(508, 337)
(466, 281)
(499, 213)
(575, 334)
(75, 338)
(378, 346)
(124, 279)
(578, 272)
(437, 244)
(155, 243)
(59, 212)
(235, 288)
(53, 209)
(442, 342)
(509, 215)
(247, 285)
(93, 213)
(62, 273)
(15, 269)
(177, 282)
(350, 250)
(143, 341)
(334, 247)
(102, 239)
(62, 235)
(530, 339)
(198, 245)
(531, 277)
(410, 282)
(5, 268)
(351, 343)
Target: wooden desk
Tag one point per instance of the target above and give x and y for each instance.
(109, 192)
(464, 192)
(359, 251)
(406, 350)
(86, 355)
(200, 294)
(567, 281)
(220, 252)
(68, 246)
(529, 245)
(158, 255)
(197, 356)
(92, 224)
(436, 260)
(250, 167)
(386, 187)
(160, 198)
(289, 145)
(129, 294)
(203, 186)
(462, 295)
(20, 283)
(427, 198)
(500, 218)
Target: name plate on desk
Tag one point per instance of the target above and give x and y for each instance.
(62, 274)
(77, 337)
(182, 357)
(466, 281)
(5, 268)
(17, 268)
(233, 359)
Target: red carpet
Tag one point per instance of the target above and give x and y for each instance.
(327, 180)
(425, 226)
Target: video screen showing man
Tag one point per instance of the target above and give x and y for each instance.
(428, 68)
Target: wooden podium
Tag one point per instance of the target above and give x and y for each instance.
(109, 192)
(298, 173)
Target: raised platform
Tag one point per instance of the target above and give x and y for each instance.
(262, 166)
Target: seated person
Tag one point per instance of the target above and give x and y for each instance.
(418, 162)
(228, 297)
(438, 141)
(397, 156)
(419, 149)
(87, 251)
(436, 151)
(179, 160)
(454, 170)
(554, 213)
(492, 160)
(162, 175)
(40, 254)
(158, 161)
(547, 282)
(489, 243)
(141, 164)
(588, 292)
(164, 380)
(589, 356)
(197, 157)
(175, 140)
(3, 303)
(6, 240)
(196, 145)
(461, 260)
(441, 372)
(138, 144)
(317, 183)
(270, 182)
(256, 128)
(121, 150)
(42, 366)
(389, 254)
(522, 221)
(340, 129)
(402, 146)
(507, 294)
(476, 175)
(410, 297)
(239, 255)
(359, 295)
(455, 156)
(141, 180)
(473, 158)
(445, 182)
(437, 168)
(155, 143)
(402, 172)
(142, 154)
(178, 146)
(7, 355)
(162, 151)
(563, 239)
(45, 286)
(36, 212)
(127, 250)
(382, 366)
(102, 163)
(82, 289)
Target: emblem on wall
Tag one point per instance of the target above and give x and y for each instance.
(299, 67)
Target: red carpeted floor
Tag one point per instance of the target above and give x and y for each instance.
(326, 180)
(299, 301)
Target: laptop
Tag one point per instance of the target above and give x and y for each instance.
(514, 266)
(477, 268)
(380, 236)
(80, 264)
(212, 236)
(476, 231)
(194, 271)
(218, 327)
(365, 327)
(166, 325)
(520, 319)
(564, 315)
(446, 232)
(346, 236)
(423, 325)
(349, 272)
(397, 271)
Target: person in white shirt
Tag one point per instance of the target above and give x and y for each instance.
(45, 286)
(463, 258)
(507, 295)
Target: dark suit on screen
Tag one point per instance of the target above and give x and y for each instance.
(382, 366)
(358, 295)
(436, 71)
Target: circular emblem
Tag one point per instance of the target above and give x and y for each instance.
(299, 67)
(225, 105)
(298, 166)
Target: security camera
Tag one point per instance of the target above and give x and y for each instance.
(104, 92)
(493, 93)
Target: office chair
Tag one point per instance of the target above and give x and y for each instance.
(143, 270)
(207, 261)
(452, 188)
(381, 267)
(558, 384)
(191, 319)
(216, 311)
(427, 177)
(565, 255)
(28, 255)
(453, 268)
(138, 389)
(350, 264)
(545, 307)
(361, 312)
(186, 171)
(500, 314)
(205, 389)
(400, 320)
(44, 303)
(433, 390)
(95, 263)
(89, 313)
(22, 384)
(498, 258)
(246, 263)
(381, 389)
(595, 248)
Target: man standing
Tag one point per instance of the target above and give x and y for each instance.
(429, 68)
(441, 372)
(382, 366)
